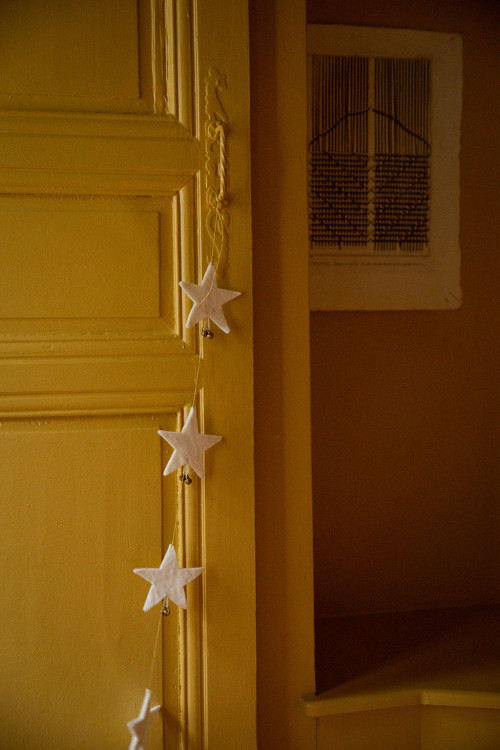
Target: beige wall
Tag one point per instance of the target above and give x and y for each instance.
(405, 404)
(285, 634)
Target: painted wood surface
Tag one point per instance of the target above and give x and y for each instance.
(282, 407)
(102, 122)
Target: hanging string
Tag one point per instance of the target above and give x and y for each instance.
(216, 252)
(155, 651)
(196, 379)
(175, 527)
(218, 226)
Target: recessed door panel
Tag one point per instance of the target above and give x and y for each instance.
(83, 56)
(83, 503)
(80, 259)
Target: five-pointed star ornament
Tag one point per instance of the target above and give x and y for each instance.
(141, 727)
(189, 446)
(208, 300)
(168, 581)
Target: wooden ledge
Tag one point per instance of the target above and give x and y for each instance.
(330, 703)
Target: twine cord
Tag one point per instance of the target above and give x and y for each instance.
(216, 252)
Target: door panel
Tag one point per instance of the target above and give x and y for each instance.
(80, 259)
(103, 210)
(73, 640)
(90, 56)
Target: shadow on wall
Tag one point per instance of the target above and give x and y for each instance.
(404, 404)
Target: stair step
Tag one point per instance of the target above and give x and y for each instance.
(331, 703)
(409, 681)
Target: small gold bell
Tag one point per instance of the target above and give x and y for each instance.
(165, 610)
(185, 478)
(207, 333)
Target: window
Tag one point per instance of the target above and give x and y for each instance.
(378, 164)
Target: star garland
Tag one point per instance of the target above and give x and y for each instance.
(189, 446)
(208, 300)
(169, 580)
(140, 728)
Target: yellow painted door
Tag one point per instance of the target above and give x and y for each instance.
(111, 164)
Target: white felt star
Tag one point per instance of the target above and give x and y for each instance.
(141, 727)
(208, 300)
(189, 446)
(168, 580)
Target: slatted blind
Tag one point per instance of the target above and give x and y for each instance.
(369, 155)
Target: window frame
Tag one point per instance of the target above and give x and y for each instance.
(358, 280)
